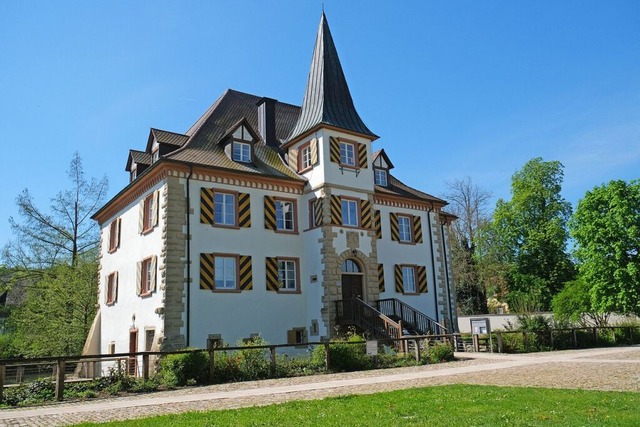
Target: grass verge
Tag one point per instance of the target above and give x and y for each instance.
(449, 405)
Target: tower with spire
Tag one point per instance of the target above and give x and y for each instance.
(272, 219)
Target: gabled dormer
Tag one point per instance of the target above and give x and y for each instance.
(162, 142)
(137, 162)
(381, 167)
(239, 142)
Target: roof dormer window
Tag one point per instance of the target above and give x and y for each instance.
(380, 177)
(155, 156)
(241, 152)
(242, 140)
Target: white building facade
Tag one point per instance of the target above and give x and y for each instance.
(270, 219)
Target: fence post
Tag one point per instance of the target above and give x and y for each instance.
(551, 338)
(272, 349)
(476, 343)
(575, 339)
(145, 367)
(499, 341)
(3, 372)
(417, 350)
(60, 380)
(327, 357)
(595, 334)
(212, 365)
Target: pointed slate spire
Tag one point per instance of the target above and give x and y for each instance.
(327, 99)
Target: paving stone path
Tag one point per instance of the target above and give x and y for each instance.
(616, 368)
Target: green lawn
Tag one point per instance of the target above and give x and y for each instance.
(451, 405)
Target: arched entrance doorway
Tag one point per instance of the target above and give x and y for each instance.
(351, 280)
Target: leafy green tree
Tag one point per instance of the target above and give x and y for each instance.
(606, 228)
(573, 303)
(57, 314)
(530, 234)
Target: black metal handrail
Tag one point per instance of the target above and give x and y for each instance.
(410, 317)
(361, 314)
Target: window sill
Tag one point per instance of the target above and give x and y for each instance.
(110, 303)
(145, 295)
(406, 242)
(305, 170)
(411, 293)
(291, 292)
(295, 231)
(112, 250)
(227, 226)
(226, 291)
(147, 231)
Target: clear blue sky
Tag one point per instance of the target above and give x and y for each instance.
(454, 89)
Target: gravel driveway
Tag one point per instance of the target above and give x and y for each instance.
(615, 368)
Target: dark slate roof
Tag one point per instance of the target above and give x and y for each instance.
(139, 157)
(396, 187)
(203, 146)
(327, 99)
(166, 137)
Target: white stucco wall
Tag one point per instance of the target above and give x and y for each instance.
(116, 320)
(391, 253)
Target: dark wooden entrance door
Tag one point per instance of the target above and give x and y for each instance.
(133, 348)
(351, 289)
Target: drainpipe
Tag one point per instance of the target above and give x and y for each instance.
(446, 275)
(433, 263)
(188, 316)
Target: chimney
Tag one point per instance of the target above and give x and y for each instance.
(267, 121)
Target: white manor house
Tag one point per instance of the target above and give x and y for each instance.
(270, 219)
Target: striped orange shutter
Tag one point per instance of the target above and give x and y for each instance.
(395, 229)
(270, 213)
(417, 229)
(399, 279)
(334, 150)
(246, 275)
(377, 221)
(365, 214)
(207, 276)
(155, 208)
(293, 158)
(381, 277)
(244, 210)
(154, 275)
(206, 206)
(336, 210)
(314, 151)
(362, 156)
(422, 279)
(272, 279)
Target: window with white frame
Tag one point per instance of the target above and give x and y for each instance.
(347, 154)
(404, 228)
(349, 212)
(148, 213)
(241, 152)
(147, 273)
(305, 157)
(409, 279)
(288, 274)
(224, 209)
(111, 288)
(285, 215)
(380, 177)
(155, 156)
(225, 273)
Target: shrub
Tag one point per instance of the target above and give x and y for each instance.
(243, 365)
(440, 352)
(180, 369)
(345, 355)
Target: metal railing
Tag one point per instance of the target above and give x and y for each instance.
(357, 312)
(410, 317)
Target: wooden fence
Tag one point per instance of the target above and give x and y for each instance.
(556, 339)
(59, 365)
